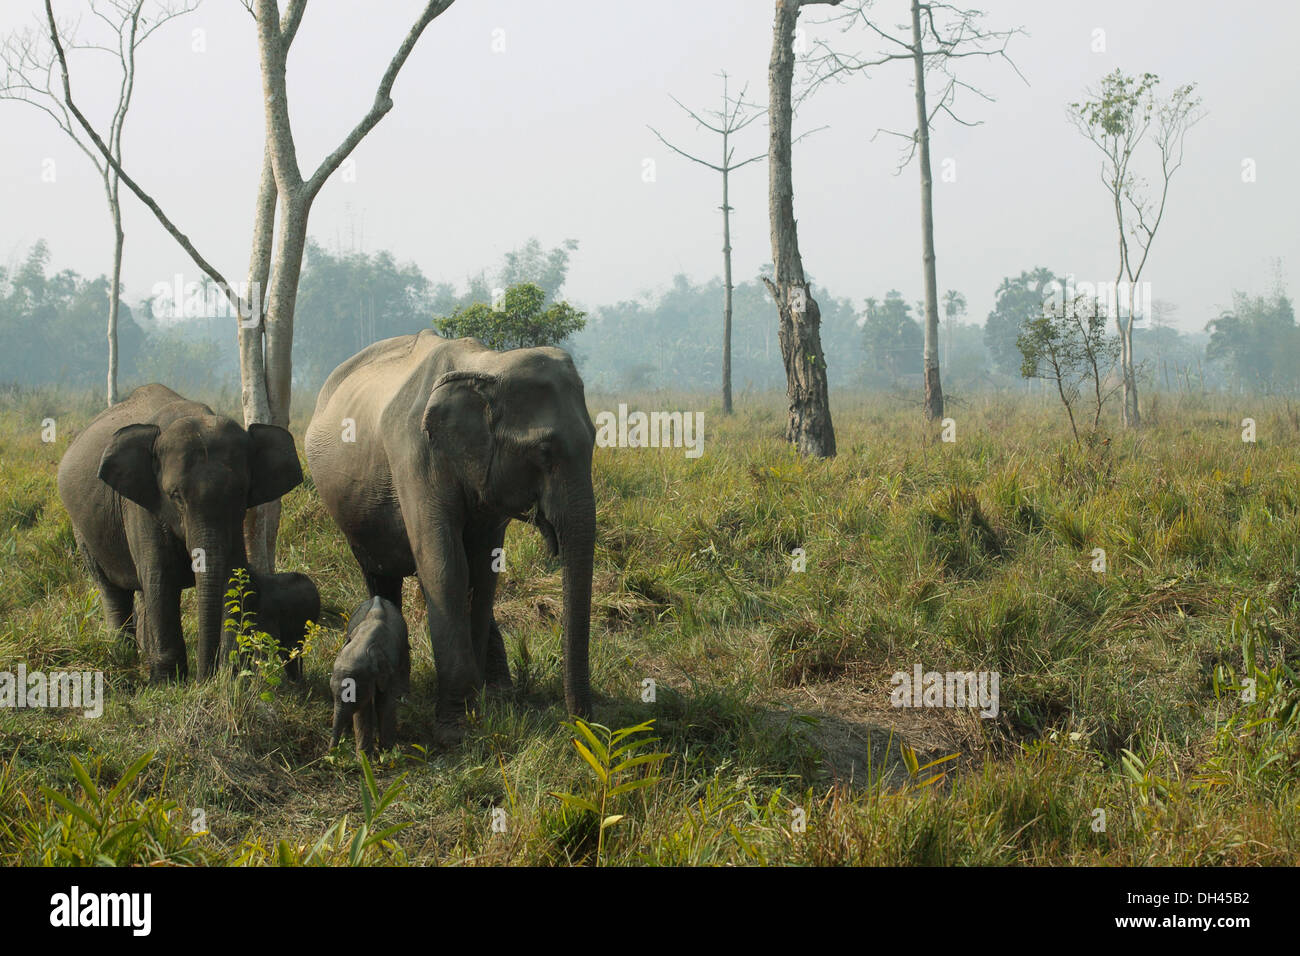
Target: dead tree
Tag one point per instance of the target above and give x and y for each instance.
(931, 46)
(266, 318)
(29, 77)
(809, 427)
(734, 116)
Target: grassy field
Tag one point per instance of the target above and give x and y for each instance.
(1122, 735)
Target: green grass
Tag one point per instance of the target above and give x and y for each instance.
(1120, 691)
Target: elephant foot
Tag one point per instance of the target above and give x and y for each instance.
(169, 672)
(448, 735)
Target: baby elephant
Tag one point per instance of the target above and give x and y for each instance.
(282, 604)
(287, 601)
(371, 672)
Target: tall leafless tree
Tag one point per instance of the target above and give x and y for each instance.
(29, 76)
(809, 427)
(266, 320)
(939, 33)
(1116, 117)
(733, 117)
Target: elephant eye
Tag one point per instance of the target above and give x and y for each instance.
(546, 451)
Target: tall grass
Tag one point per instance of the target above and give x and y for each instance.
(1123, 735)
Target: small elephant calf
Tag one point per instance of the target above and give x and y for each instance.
(371, 673)
(282, 604)
(288, 600)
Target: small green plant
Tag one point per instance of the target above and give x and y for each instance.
(613, 759)
(101, 827)
(367, 844)
(1260, 734)
(256, 654)
(915, 768)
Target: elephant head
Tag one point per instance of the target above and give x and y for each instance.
(196, 476)
(353, 685)
(519, 437)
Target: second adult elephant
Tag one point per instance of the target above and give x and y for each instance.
(157, 487)
(423, 449)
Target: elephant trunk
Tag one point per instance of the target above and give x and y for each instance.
(577, 532)
(342, 717)
(211, 580)
(210, 589)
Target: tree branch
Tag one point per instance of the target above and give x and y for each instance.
(144, 197)
(383, 100)
(694, 159)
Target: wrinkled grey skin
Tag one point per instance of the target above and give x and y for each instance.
(282, 604)
(452, 441)
(376, 658)
(149, 481)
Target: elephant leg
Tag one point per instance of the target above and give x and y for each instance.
(293, 668)
(386, 704)
(386, 586)
(498, 667)
(444, 578)
(164, 639)
(275, 630)
(119, 609)
(484, 551)
(118, 603)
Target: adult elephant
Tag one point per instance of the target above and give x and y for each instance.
(157, 487)
(423, 449)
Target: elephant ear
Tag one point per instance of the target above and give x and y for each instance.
(274, 464)
(127, 465)
(458, 421)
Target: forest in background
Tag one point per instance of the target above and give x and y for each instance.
(51, 322)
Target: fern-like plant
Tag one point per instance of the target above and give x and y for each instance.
(613, 758)
(256, 655)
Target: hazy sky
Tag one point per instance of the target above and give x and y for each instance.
(547, 137)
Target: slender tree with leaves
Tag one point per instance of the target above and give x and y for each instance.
(1117, 117)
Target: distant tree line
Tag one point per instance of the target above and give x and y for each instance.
(52, 327)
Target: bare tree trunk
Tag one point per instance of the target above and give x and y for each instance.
(1132, 412)
(809, 427)
(733, 117)
(933, 388)
(726, 299)
(261, 523)
(119, 240)
(1130, 417)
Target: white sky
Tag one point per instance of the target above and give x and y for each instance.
(484, 149)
